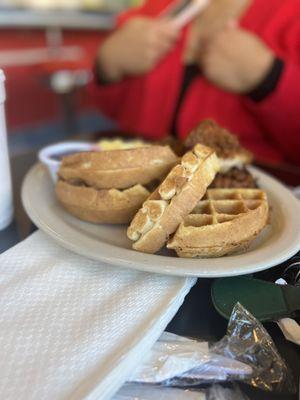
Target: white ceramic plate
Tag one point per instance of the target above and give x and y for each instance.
(279, 241)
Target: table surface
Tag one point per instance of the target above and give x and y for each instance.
(196, 318)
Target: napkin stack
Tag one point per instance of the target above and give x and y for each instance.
(72, 328)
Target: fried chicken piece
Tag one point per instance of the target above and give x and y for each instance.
(234, 178)
(210, 134)
(232, 155)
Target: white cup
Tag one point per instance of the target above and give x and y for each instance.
(49, 155)
(6, 197)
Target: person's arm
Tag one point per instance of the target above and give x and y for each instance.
(135, 48)
(278, 112)
(238, 61)
(127, 55)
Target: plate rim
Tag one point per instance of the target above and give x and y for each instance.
(171, 264)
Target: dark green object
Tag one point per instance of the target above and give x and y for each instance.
(265, 300)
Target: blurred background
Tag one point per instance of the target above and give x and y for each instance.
(47, 49)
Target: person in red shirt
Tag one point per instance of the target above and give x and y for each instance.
(238, 62)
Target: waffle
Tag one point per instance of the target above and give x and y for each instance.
(175, 198)
(119, 169)
(112, 206)
(224, 221)
(110, 186)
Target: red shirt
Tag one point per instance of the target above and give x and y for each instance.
(270, 128)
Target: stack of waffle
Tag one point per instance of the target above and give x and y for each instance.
(205, 204)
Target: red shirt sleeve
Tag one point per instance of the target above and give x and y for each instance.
(279, 114)
(116, 99)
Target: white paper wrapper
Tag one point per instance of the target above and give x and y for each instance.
(289, 327)
(148, 392)
(174, 356)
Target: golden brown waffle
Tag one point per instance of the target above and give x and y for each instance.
(175, 198)
(224, 221)
(111, 206)
(119, 169)
(110, 186)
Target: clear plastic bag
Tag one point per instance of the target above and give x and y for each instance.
(247, 353)
(249, 342)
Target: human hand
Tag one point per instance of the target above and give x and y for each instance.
(235, 60)
(137, 47)
(212, 20)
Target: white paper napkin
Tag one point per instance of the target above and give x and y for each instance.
(72, 328)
